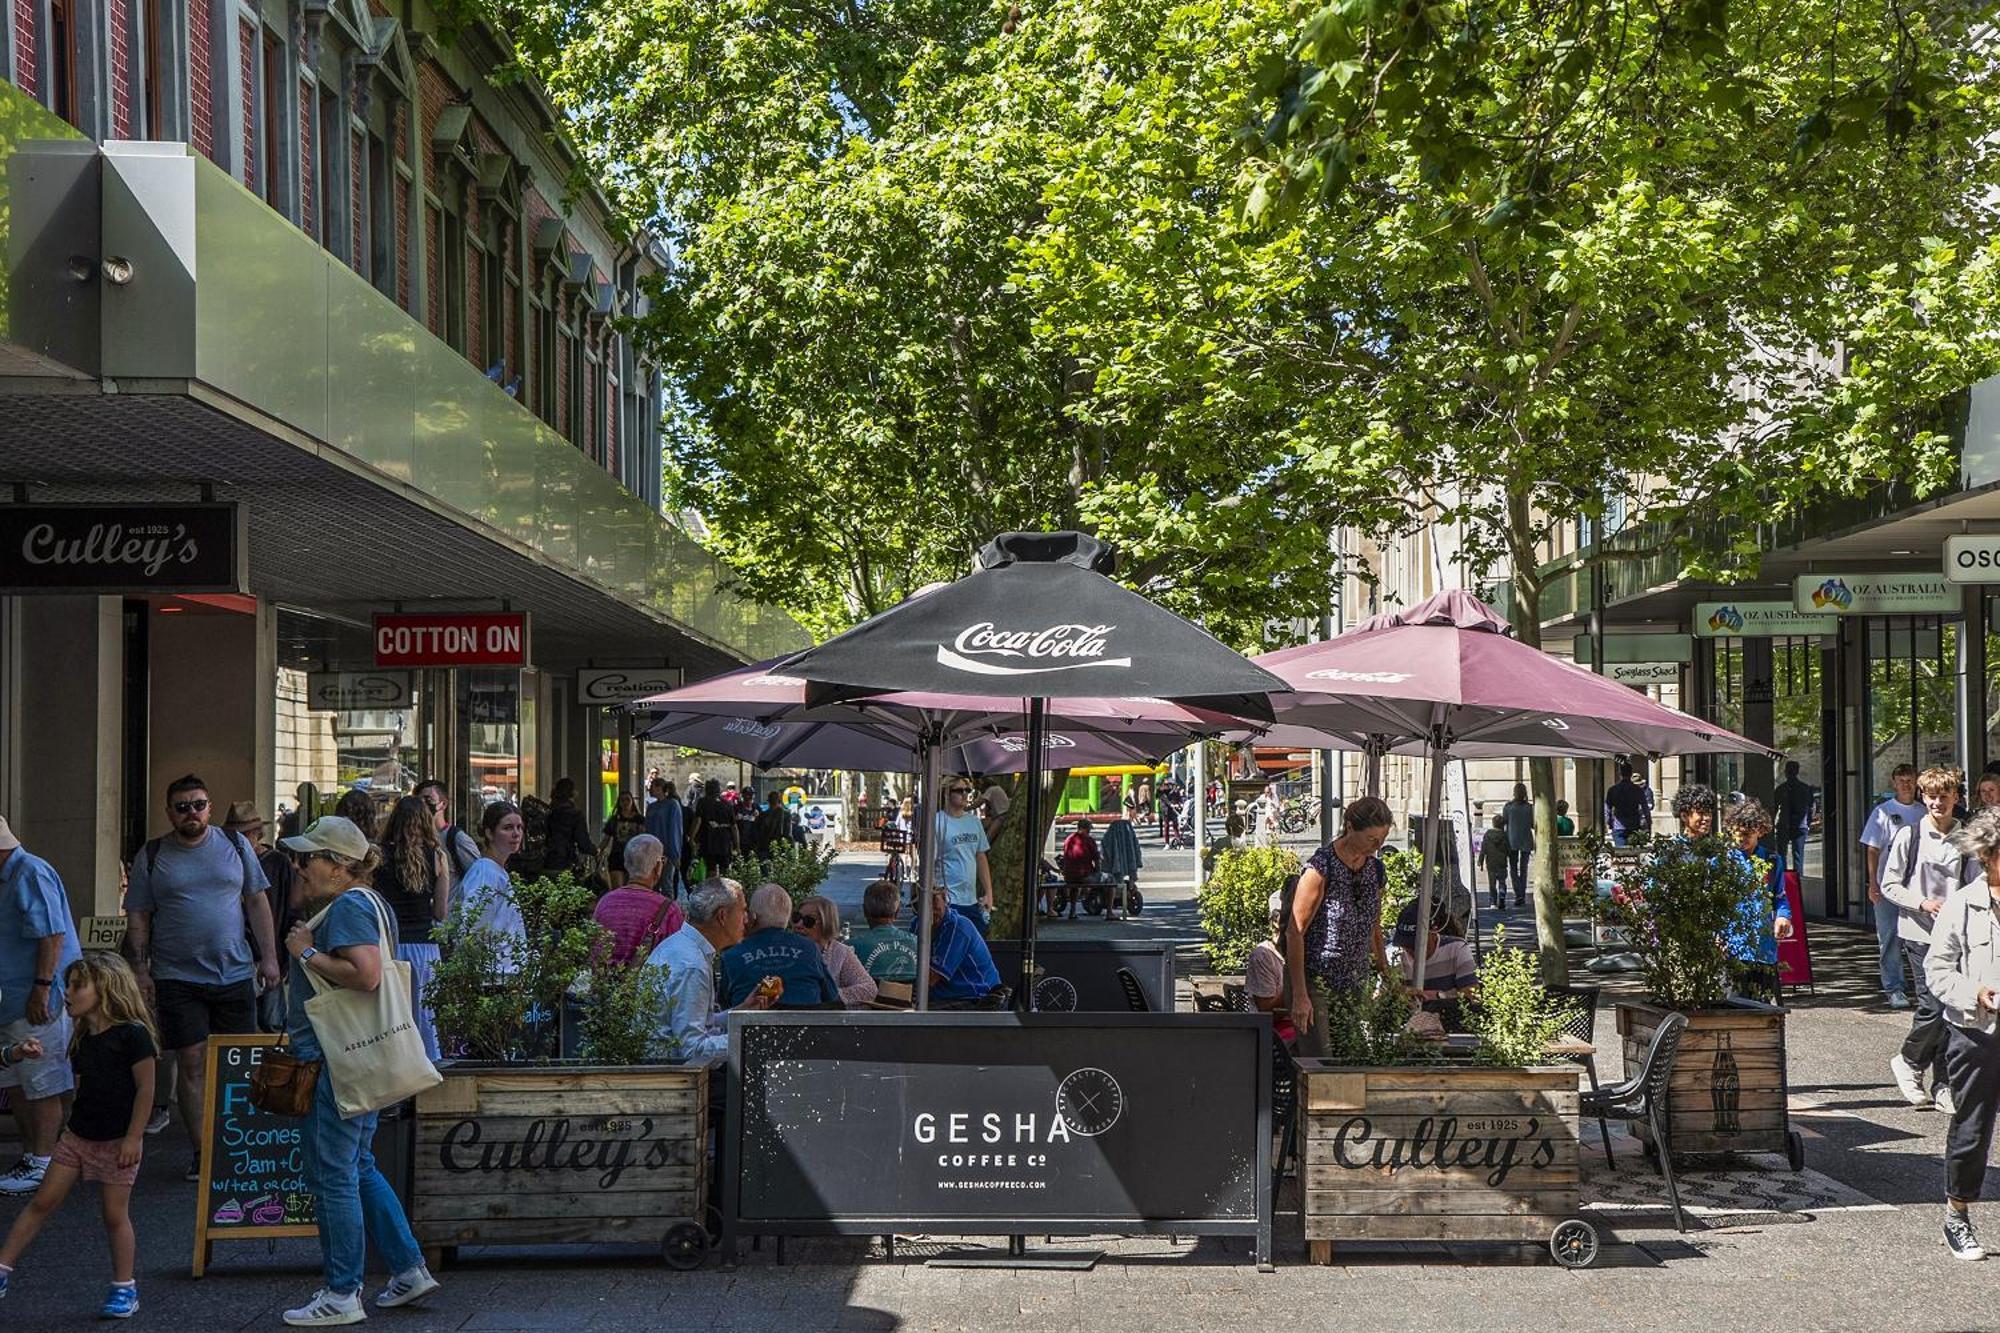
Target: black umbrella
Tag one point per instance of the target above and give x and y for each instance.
(1039, 620)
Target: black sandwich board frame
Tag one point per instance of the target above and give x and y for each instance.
(1039, 1037)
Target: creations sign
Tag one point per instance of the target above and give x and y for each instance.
(999, 1124)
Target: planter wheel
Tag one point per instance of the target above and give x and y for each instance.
(1795, 1150)
(1574, 1244)
(685, 1246)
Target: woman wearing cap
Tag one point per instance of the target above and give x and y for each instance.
(340, 944)
(1334, 938)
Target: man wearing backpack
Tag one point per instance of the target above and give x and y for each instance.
(457, 843)
(192, 894)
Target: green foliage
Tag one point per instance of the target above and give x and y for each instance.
(798, 866)
(1367, 1026)
(1402, 875)
(1235, 903)
(625, 1010)
(1514, 1016)
(486, 984)
(1677, 908)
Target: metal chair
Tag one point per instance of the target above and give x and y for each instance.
(1580, 1021)
(1135, 994)
(1284, 1114)
(1646, 1096)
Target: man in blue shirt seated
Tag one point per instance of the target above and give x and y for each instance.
(773, 950)
(962, 971)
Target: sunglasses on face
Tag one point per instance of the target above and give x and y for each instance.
(959, 791)
(305, 859)
(190, 807)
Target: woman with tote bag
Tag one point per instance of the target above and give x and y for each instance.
(350, 1010)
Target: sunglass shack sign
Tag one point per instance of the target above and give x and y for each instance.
(988, 1123)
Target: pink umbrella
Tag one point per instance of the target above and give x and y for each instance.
(1447, 678)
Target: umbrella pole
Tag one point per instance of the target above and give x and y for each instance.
(1031, 873)
(1439, 755)
(926, 832)
(1372, 762)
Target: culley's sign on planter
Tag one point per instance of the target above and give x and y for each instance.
(122, 548)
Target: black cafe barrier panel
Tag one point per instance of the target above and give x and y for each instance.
(984, 1124)
(1082, 975)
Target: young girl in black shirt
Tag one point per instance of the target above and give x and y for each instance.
(112, 1052)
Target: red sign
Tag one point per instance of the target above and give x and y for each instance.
(429, 639)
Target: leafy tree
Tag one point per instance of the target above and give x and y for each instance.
(1523, 264)
(866, 392)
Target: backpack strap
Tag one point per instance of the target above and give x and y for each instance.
(152, 854)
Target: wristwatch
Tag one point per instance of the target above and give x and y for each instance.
(310, 951)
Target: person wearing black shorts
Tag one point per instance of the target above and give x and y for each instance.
(195, 903)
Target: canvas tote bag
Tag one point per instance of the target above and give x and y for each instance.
(373, 1051)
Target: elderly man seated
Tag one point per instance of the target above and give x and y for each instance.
(962, 971)
(636, 913)
(690, 1028)
(887, 950)
(772, 952)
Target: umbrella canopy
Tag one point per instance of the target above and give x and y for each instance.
(1038, 619)
(1385, 679)
(887, 745)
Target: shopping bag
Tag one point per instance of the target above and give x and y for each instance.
(374, 1053)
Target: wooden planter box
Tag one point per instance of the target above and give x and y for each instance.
(1454, 1152)
(585, 1154)
(1729, 1088)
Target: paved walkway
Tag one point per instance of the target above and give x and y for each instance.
(1852, 1243)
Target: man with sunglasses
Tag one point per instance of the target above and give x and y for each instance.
(193, 894)
(962, 847)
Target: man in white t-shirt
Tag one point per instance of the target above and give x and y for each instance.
(1919, 871)
(1902, 810)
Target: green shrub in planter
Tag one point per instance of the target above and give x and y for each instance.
(799, 867)
(1677, 908)
(1235, 903)
(1401, 873)
(1513, 1014)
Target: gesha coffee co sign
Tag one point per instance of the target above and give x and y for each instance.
(117, 548)
(451, 639)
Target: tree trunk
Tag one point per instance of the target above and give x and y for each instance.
(1011, 850)
(1526, 616)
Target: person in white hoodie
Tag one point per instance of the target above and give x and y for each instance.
(1919, 871)
(1962, 969)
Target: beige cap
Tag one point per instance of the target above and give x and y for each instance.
(242, 815)
(8, 842)
(330, 833)
(998, 802)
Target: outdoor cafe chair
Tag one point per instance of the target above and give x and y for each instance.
(1579, 1004)
(1645, 1096)
(1135, 994)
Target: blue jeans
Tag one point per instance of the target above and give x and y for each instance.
(974, 913)
(1886, 915)
(1619, 837)
(1517, 871)
(1792, 856)
(350, 1194)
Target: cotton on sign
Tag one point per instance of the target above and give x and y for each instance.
(498, 638)
(1060, 647)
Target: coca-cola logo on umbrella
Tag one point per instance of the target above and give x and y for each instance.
(1029, 652)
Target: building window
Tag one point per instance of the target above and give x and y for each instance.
(451, 273)
(494, 298)
(380, 206)
(270, 98)
(545, 363)
(153, 60)
(62, 59)
(573, 409)
(330, 195)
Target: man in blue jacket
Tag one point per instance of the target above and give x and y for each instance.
(772, 949)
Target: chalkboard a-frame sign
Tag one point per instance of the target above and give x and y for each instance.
(253, 1184)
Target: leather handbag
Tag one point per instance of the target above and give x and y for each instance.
(283, 1084)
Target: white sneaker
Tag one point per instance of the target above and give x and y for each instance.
(406, 1287)
(1942, 1099)
(1898, 1000)
(325, 1309)
(26, 1175)
(1909, 1081)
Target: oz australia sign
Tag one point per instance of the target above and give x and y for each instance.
(123, 548)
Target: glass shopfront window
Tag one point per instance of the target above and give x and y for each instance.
(1912, 697)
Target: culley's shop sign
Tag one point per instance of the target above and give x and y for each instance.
(122, 548)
